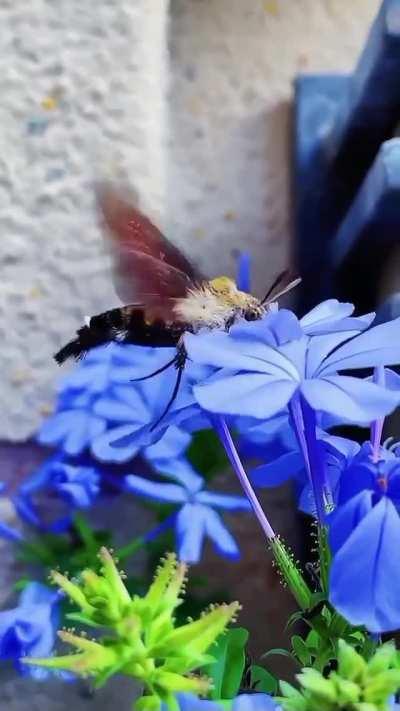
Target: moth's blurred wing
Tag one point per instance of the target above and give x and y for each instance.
(141, 278)
(145, 261)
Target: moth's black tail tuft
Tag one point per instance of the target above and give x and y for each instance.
(71, 350)
(87, 338)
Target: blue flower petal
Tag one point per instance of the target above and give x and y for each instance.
(106, 449)
(172, 445)
(346, 518)
(275, 329)
(331, 316)
(181, 471)
(189, 702)
(221, 350)
(319, 348)
(353, 399)
(73, 430)
(340, 445)
(157, 491)
(30, 628)
(356, 478)
(223, 540)
(254, 702)
(226, 502)
(280, 470)
(243, 276)
(38, 594)
(252, 394)
(190, 531)
(365, 573)
(379, 345)
(123, 404)
(10, 534)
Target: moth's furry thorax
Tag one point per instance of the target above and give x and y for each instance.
(217, 303)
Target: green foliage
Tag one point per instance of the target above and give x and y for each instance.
(318, 648)
(75, 549)
(356, 685)
(139, 636)
(291, 573)
(207, 454)
(262, 680)
(227, 670)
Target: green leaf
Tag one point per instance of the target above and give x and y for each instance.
(279, 652)
(206, 453)
(297, 616)
(81, 618)
(21, 584)
(227, 671)
(301, 650)
(262, 680)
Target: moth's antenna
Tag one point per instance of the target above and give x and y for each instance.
(277, 281)
(156, 372)
(270, 296)
(286, 289)
(171, 400)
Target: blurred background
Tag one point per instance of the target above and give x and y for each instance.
(189, 102)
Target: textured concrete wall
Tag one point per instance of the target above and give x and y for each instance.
(220, 182)
(99, 67)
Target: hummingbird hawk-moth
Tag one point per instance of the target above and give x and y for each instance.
(163, 294)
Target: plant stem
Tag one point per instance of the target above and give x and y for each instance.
(377, 425)
(289, 570)
(304, 422)
(230, 449)
(141, 541)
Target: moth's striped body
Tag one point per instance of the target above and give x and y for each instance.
(214, 304)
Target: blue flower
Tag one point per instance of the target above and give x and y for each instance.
(365, 572)
(262, 366)
(99, 398)
(101, 409)
(244, 702)
(243, 275)
(254, 702)
(197, 517)
(269, 438)
(30, 628)
(133, 412)
(74, 484)
(74, 429)
(337, 454)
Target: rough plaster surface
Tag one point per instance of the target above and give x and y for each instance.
(233, 64)
(100, 68)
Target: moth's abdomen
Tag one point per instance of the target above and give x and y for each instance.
(123, 325)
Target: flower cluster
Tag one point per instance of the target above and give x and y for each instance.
(30, 628)
(357, 684)
(146, 642)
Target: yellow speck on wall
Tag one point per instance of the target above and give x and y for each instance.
(49, 103)
(271, 7)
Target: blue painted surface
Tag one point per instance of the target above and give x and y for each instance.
(317, 99)
(374, 216)
(389, 310)
(341, 123)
